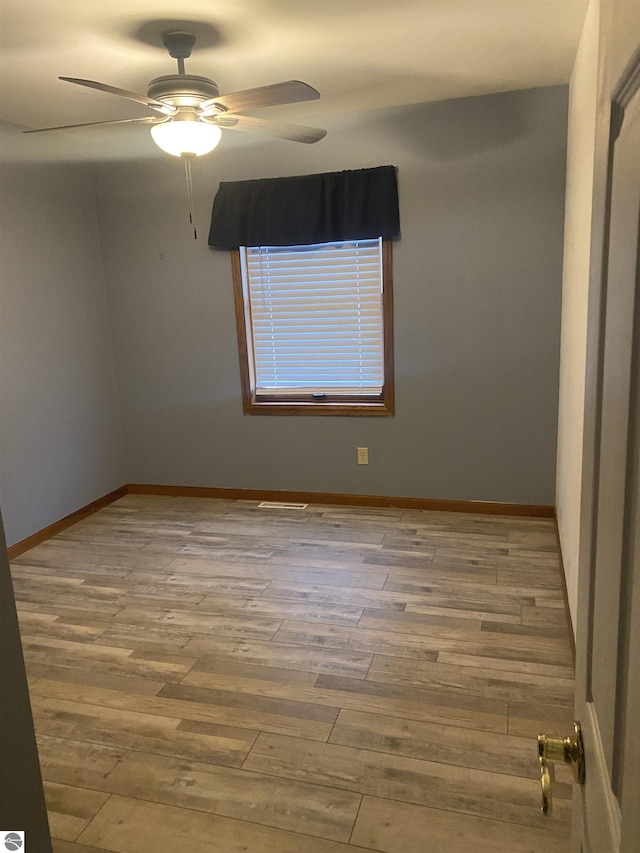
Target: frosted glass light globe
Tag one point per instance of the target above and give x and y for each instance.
(181, 136)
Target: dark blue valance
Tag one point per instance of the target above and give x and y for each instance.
(351, 205)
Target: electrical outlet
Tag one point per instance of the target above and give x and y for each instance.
(363, 456)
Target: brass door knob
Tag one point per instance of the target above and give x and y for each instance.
(569, 750)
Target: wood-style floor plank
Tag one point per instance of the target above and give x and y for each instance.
(359, 694)
(273, 681)
(142, 731)
(70, 809)
(427, 644)
(286, 804)
(392, 827)
(433, 742)
(60, 846)
(127, 825)
(209, 650)
(472, 681)
(75, 762)
(410, 780)
(302, 571)
(198, 706)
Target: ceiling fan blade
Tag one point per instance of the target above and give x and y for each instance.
(294, 132)
(289, 92)
(145, 120)
(124, 93)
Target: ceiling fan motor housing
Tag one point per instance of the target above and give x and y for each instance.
(182, 90)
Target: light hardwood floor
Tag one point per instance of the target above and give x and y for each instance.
(210, 676)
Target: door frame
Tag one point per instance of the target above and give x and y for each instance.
(22, 801)
(626, 88)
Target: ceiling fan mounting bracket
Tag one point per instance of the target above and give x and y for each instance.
(178, 43)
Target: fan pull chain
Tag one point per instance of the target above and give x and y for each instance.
(187, 170)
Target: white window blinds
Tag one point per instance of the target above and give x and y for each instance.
(316, 317)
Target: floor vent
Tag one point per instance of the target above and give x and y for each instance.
(281, 505)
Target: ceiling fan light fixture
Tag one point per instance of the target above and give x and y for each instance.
(184, 135)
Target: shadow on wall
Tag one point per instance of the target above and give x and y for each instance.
(454, 129)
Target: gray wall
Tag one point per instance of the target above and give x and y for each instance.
(61, 443)
(477, 278)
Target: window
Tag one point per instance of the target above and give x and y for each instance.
(315, 328)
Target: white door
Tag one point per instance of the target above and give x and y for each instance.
(607, 806)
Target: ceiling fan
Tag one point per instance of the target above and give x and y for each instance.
(192, 113)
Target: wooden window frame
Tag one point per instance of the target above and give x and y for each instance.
(378, 405)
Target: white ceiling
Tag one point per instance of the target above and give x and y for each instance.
(360, 54)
